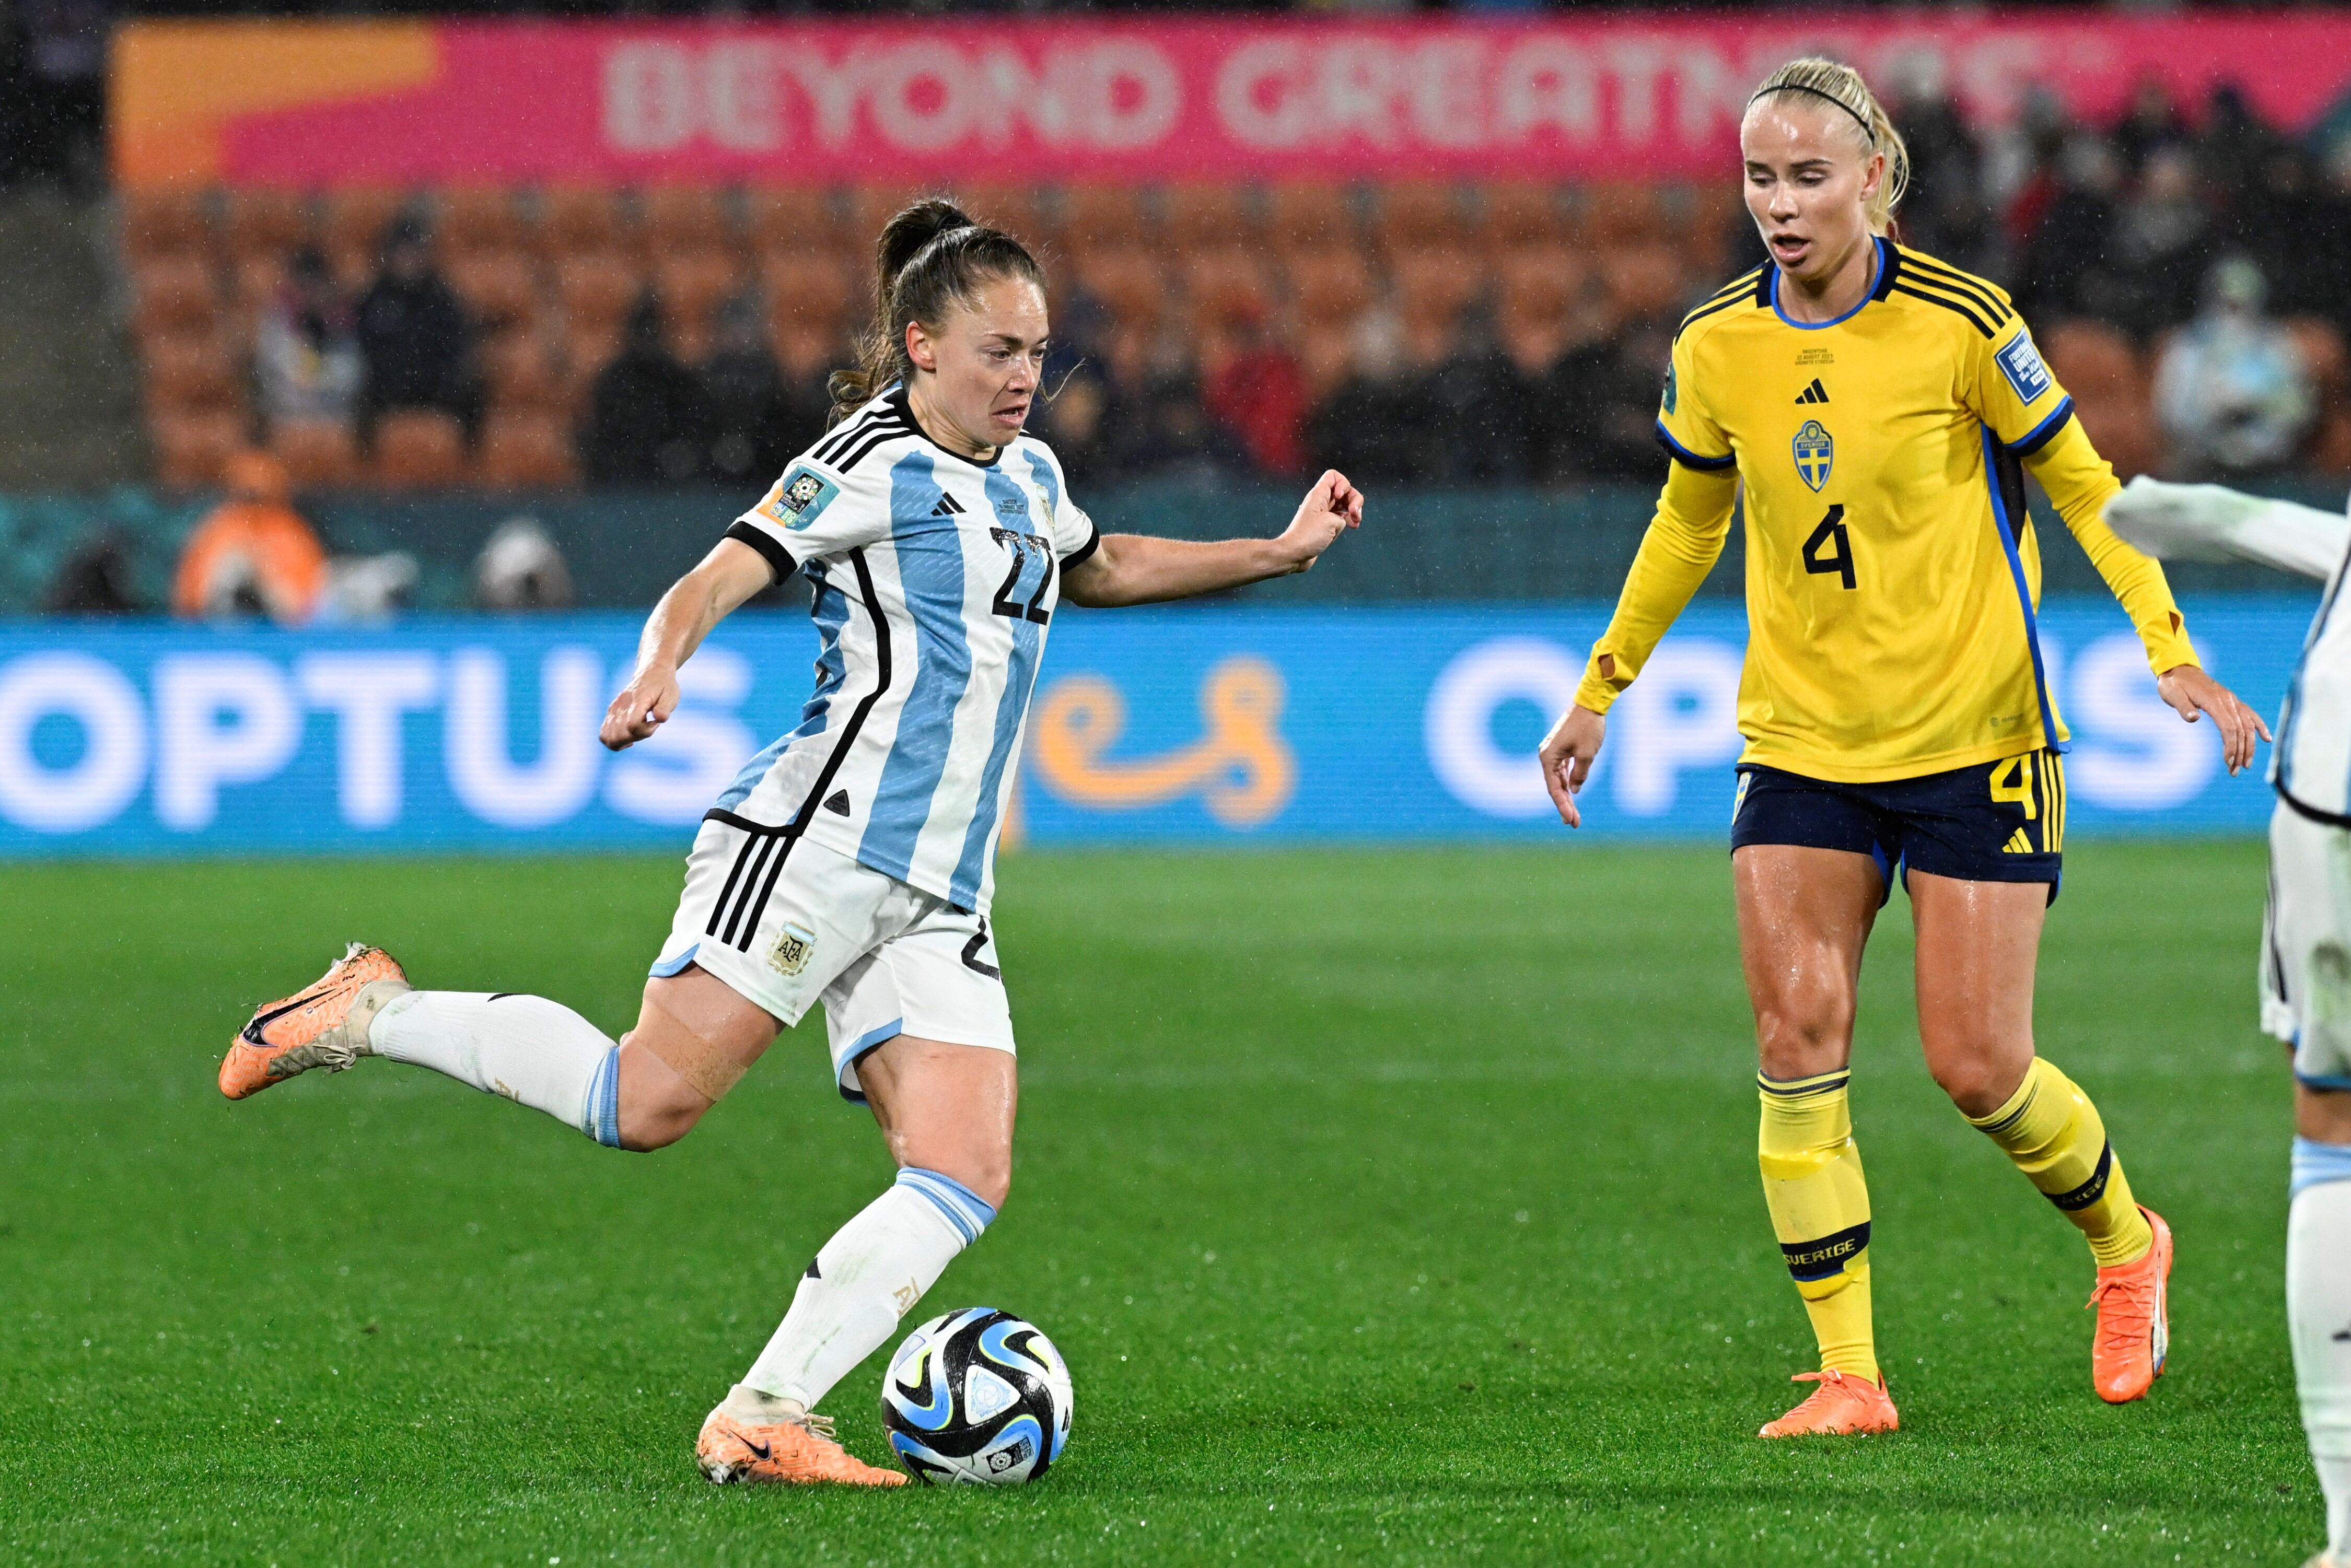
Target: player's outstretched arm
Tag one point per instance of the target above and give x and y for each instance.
(727, 576)
(2212, 522)
(1138, 568)
(1568, 752)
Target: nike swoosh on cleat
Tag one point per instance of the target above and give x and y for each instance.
(2343, 1336)
(759, 1450)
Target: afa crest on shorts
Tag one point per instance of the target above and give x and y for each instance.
(803, 495)
(1816, 451)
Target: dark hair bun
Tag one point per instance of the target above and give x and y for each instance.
(914, 226)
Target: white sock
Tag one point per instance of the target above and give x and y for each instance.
(864, 1279)
(2318, 1310)
(534, 1051)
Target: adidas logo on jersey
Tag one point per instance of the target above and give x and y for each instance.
(2018, 844)
(1814, 392)
(947, 507)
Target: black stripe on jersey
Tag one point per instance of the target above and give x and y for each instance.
(1082, 554)
(2042, 434)
(1944, 288)
(839, 439)
(1688, 459)
(760, 832)
(1926, 270)
(888, 430)
(767, 843)
(1953, 306)
(780, 564)
(1741, 285)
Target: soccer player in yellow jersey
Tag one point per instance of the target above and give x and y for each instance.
(1878, 409)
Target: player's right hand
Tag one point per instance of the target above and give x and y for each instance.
(643, 706)
(1568, 752)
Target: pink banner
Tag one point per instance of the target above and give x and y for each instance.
(1625, 95)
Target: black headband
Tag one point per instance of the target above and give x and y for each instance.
(1816, 92)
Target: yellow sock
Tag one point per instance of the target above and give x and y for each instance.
(2052, 1133)
(1819, 1210)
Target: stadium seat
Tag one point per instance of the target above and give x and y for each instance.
(586, 351)
(871, 206)
(352, 234)
(1434, 284)
(1417, 215)
(1706, 218)
(1643, 276)
(792, 218)
(1226, 286)
(175, 290)
(1330, 289)
(1620, 214)
(1012, 208)
(2321, 351)
(692, 285)
(526, 449)
(805, 289)
(265, 222)
(191, 447)
(597, 289)
(164, 222)
(418, 449)
(2108, 381)
(1094, 217)
(518, 373)
(1308, 217)
(1542, 282)
(1207, 217)
(188, 372)
(2330, 451)
(260, 277)
(315, 452)
(1512, 214)
(479, 218)
(501, 288)
(1130, 283)
(684, 218)
(576, 219)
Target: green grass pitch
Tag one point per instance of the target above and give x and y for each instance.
(1389, 1206)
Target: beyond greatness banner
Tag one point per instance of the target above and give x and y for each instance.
(1201, 725)
(1005, 99)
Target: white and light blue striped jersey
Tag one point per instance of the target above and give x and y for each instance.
(934, 579)
(2311, 764)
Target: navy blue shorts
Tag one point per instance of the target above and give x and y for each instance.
(1994, 822)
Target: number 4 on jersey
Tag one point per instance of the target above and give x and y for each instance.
(1829, 553)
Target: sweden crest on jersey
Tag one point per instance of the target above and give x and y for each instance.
(1815, 450)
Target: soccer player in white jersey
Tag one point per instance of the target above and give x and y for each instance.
(2306, 969)
(852, 861)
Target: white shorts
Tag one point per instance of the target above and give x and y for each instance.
(787, 923)
(2306, 947)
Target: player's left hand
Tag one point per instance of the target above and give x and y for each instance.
(2188, 690)
(1330, 510)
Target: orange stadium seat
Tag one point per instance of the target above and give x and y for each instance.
(315, 452)
(518, 373)
(499, 287)
(810, 290)
(526, 449)
(796, 218)
(597, 288)
(1012, 208)
(1619, 215)
(2108, 381)
(1642, 276)
(1095, 216)
(1207, 218)
(1712, 216)
(2322, 352)
(189, 371)
(1129, 280)
(418, 449)
(872, 206)
(174, 290)
(1415, 214)
(1515, 214)
(260, 278)
(692, 285)
(576, 218)
(191, 447)
(1435, 285)
(264, 222)
(353, 232)
(1330, 289)
(471, 218)
(1300, 217)
(586, 351)
(1224, 286)
(684, 218)
(164, 222)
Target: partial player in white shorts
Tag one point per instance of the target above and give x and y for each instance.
(787, 923)
(2306, 947)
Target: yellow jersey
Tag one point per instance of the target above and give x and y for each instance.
(1892, 573)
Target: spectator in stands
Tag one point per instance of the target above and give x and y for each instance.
(1946, 161)
(2276, 220)
(1531, 347)
(1606, 394)
(649, 420)
(1375, 423)
(2041, 128)
(2232, 144)
(415, 337)
(1259, 399)
(252, 555)
(2151, 124)
(758, 420)
(1161, 429)
(305, 352)
(520, 567)
(2063, 271)
(1076, 420)
(2161, 245)
(2233, 392)
(1466, 387)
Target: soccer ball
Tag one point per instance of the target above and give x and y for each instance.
(977, 1398)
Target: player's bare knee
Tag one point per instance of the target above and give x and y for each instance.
(1805, 1029)
(1979, 1082)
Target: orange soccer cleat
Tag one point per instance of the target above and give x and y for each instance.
(2134, 1320)
(1844, 1405)
(733, 1451)
(323, 1025)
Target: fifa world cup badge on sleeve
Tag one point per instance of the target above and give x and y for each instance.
(1671, 390)
(793, 946)
(803, 494)
(1815, 450)
(2021, 363)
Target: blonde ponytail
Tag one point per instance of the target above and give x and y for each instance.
(1817, 77)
